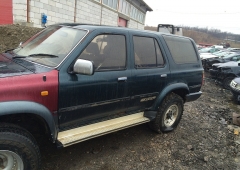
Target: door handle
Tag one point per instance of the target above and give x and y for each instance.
(163, 75)
(122, 79)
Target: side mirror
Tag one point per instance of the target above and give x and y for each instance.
(83, 67)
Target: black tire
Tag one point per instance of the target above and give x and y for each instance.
(171, 103)
(19, 144)
(227, 81)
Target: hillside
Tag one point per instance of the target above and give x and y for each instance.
(200, 37)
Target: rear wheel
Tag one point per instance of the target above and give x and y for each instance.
(18, 149)
(169, 114)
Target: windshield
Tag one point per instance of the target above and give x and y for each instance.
(55, 41)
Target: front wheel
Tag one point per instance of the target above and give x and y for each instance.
(18, 149)
(227, 81)
(169, 114)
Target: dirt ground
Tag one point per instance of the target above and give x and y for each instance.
(202, 141)
(12, 35)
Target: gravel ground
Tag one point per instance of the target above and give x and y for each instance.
(201, 141)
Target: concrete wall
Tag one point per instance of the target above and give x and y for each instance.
(59, 11)
(56, 11)
(109, 17)
(88, 12)
(19, 11)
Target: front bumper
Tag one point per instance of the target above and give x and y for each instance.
(193, 96)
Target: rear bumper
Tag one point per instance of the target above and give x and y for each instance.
(193, 96)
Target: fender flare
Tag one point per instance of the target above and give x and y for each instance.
(19, 107)
(169, 88)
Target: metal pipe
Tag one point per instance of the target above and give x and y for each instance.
(75, 10)
(28, 10)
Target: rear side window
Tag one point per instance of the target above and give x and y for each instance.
(182, 49)
(147, 52)
(108, 52)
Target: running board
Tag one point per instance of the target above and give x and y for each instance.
(83, 133)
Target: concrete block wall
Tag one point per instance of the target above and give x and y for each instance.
(57, 11)
(19, 11)
(88, 12)
(109, 17)
(140, 26)
(132, 24)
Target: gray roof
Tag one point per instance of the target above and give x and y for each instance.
(146, 5)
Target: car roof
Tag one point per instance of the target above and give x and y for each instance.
(92, 27)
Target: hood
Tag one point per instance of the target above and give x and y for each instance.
(15, 67)
(208, 56)
(228, 64)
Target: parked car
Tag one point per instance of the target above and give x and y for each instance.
(235, 89)
(208, 50)
(74, 82)
(224, 73)
(227, 56)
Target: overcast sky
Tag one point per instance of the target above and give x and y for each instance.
(219, 14)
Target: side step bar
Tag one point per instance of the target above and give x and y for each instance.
(83, 133)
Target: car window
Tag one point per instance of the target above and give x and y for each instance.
(147, 52)
(160, 61)
(182, 49)
(108, 52)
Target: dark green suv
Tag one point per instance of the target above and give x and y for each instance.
(75, 82)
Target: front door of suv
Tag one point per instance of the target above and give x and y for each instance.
(87, 99)
(150, 71)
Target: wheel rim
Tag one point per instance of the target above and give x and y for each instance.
(171, 115)
(10, 160)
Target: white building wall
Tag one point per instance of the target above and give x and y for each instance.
(132, 24)
(60, 11)
(88, 12)
(19, 11)
(140, 26)
(57, 11)
(109, 17)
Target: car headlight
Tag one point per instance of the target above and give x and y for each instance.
(235, 85)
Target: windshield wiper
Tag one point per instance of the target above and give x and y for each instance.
(9, 50)
(40, 55)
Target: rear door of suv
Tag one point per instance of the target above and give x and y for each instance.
(150, 70)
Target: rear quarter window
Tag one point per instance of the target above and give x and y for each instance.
(181, 49)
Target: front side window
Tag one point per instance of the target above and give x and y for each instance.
(147, 52)
(107, 52)
(51, 46)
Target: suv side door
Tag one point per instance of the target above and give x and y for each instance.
(84, 99)
(150, 70)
